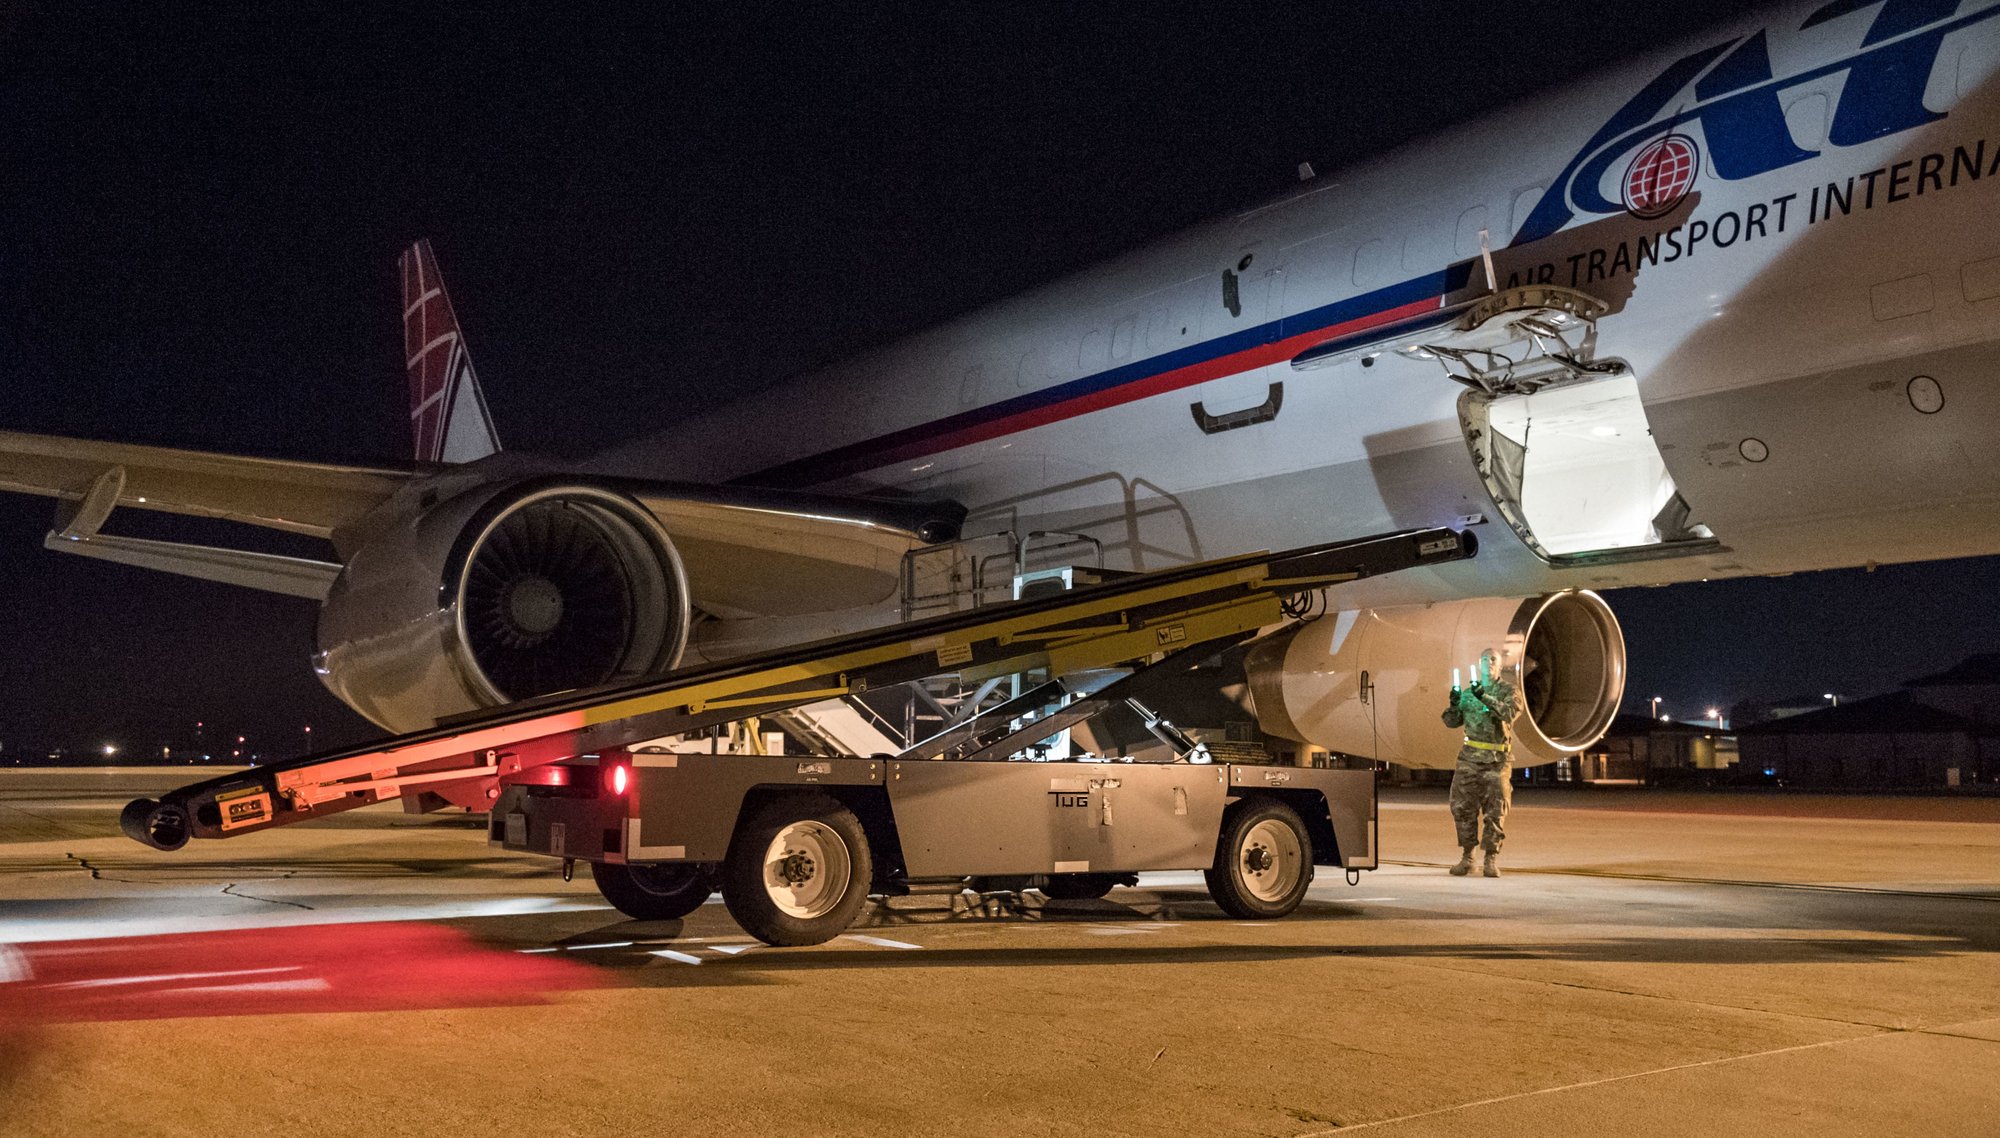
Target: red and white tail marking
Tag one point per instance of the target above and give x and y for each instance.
(448, 415)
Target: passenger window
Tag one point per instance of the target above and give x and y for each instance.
(1122, 334)
(1316, 272)
(1426, 249)
(1090, 353)
(1470, 224)
(1371, 262)
(1060, 362)
(1805, 118)
(1524, 204)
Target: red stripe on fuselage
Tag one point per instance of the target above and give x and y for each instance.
(1236, 363)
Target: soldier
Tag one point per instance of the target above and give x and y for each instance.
(1481, 790)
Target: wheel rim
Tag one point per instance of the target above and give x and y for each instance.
(1270, 860)
(806, 870)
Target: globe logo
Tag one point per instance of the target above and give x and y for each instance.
(1661, 175)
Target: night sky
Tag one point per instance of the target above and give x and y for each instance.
(201, 211)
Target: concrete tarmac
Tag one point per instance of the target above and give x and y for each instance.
(1650, 963)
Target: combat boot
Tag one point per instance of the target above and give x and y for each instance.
(1492, 866)
(1464, 865)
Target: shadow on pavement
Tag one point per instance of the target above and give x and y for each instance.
(634, 967)
(152, 869)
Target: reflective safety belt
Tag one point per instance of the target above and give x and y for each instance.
(1486, 746)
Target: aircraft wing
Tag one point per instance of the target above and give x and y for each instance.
(746, 552)
(311, 498)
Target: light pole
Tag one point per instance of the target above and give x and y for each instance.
(1715, 713)
(1656, 707)
(1832, 697)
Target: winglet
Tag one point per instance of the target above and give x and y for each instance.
(448, 415)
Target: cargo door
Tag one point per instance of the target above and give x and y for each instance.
(1557, 431)
(1575, 471)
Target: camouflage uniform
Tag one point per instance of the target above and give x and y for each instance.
(1482, 788)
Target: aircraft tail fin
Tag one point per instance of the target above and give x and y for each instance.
(448, 414)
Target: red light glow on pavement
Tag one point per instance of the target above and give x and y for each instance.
(272, 971)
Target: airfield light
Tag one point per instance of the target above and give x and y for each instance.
(110, 749)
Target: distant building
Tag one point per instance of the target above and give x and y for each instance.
(1939, 731)
(1749, 712)
(1646, 748)
(1640, 748)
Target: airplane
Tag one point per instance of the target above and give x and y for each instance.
(1732, 309)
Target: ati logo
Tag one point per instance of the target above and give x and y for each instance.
(1661, 175)
(1728, 95)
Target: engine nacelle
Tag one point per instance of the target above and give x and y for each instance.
(501, 593)
(1375, 682)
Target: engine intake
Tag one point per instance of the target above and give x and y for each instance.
(1374, 682)
(498, 595)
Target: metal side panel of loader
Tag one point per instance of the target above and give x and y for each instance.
(946, 819)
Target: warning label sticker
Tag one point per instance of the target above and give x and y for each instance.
(246, 806)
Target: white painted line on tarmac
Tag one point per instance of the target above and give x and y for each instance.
(682, 957)
(173, 976)
(606, 944)
(313, 985)
(130, 918)
(1593, 1083)
(882, 941)
(1102, 930)
(735, 949)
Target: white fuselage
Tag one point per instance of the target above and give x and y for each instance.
(1792, 223)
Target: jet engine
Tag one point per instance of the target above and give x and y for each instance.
(1375, 682)
(499, 594)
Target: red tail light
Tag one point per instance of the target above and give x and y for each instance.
(617, 777)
